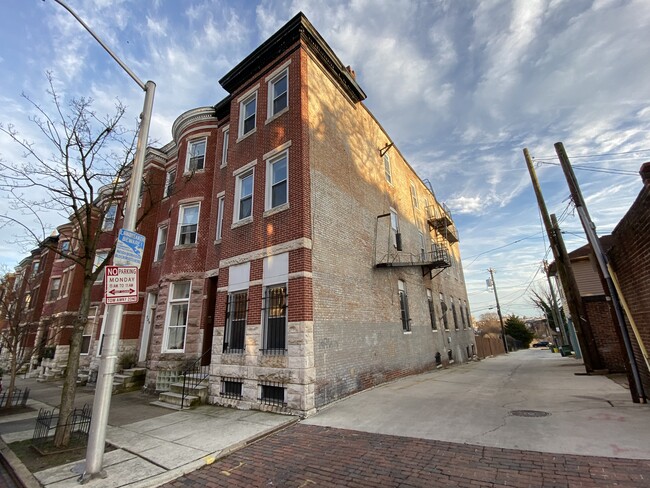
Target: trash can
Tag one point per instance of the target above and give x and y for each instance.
(565, 350)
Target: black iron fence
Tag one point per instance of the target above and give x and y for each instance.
(78, 421)
(18, 398)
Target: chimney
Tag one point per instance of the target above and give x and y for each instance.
(645, 173)
(351, 71)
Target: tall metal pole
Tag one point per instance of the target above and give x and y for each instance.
(601, 257)
(114, 313)
(496, 298)
(590, 355)
(555, 311)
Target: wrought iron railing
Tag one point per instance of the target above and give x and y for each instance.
(78, 421)
(194, 376)
(18, 398)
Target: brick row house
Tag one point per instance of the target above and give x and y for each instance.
(291, 250)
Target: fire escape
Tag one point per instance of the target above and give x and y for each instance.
(442, 233)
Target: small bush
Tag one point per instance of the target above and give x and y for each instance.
(127, 360)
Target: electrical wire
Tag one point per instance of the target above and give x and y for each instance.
(500, 247)
(595, 170)
(601, 154)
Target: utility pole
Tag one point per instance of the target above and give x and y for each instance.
(590, 354)
(557, 316)
(601, 257)
(496, 297)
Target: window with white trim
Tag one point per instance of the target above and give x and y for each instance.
(275, 319)
(35, 267)
(177, 313)
(188, 224)
(109, 218)
(278, 93)
(195, 156)
(64, 247)
(404, 306)
(247, 114)
(55, 286)
(224, 148)
(244, 200)
(161, 243)
(220, 208)
(170, 178)
(387, 169)
(100, 257)
(277, 181)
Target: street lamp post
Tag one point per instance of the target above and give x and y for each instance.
(114, 313)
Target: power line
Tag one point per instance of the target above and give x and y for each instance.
(595, 169)
(599, 155)
(500, 247)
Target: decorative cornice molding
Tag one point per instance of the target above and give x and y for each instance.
(190, 117)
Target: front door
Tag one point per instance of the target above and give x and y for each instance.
(208, 322)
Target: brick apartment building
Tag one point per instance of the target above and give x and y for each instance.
(292, 250)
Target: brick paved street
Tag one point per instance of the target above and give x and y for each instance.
(304, 456)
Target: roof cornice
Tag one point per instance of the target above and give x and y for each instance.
(190, 117)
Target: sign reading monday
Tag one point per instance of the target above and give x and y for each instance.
(121, 284)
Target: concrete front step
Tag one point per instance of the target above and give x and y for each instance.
(200, 391)
(177, 399)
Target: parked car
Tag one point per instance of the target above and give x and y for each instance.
(542, 344)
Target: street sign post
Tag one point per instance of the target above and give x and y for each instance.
(121, 284)
(129, 248)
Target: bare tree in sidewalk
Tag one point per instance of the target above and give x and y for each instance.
(77, 174)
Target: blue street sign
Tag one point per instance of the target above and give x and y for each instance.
(129, 248)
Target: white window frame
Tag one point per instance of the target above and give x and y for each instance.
(242, 106)
(100, 256)
(163, 229)
(224, 146)
(110, 217)
(271, 97)
(171, 303)
(220, 209)
(169, 182)
(388, 172)
(238, 187)
(270, 183)
(181, 216)
(190, 145)
(36, 265)
(64, 247)
(51, 298)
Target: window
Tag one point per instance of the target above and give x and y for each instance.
(394, 225)
(414, 195)
(278, 96)
(220, 217)
(35, 267)
(275, 319)
(404, 306)
(224, 150)
(247, 114)
(85, 344)
(161, 243)
(387, 171)
(195, 156)
(462, 315)
(65, 278)
(109, 217)
(453, 313)
(443, 308)
(169, 182)
(236, 322)
(272, 394)
(432, 310)
(64, 247)
(55, 285)
(276, 181)
(100, 257)
(188, 223)
(423, 249)
(244, 207)
(231, 388)
(27, 301)
(177, 311)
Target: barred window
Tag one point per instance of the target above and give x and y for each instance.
(432, 311)
(453, 313)
(404, 306)
(443, 309)
(275, 319)
(231, 388)
(236, 322)
(272, 394)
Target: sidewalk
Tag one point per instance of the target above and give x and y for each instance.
(155, 449)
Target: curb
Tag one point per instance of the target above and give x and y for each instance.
(20, 470)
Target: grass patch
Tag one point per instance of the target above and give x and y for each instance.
(41, 454)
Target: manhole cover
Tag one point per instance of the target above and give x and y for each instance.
(529, 413)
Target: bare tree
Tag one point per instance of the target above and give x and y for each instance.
(82, 170)
(488, 325)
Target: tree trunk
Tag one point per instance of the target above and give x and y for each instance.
(63, 429)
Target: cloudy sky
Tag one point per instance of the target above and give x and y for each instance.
(461, 86)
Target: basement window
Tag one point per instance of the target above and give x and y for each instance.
(231, 388)
(272, 394)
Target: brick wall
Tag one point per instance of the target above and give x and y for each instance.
(630, 255)
(599, 316)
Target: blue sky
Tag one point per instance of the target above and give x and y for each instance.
(461, 87)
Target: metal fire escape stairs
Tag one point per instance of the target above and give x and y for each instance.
(442, 232)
